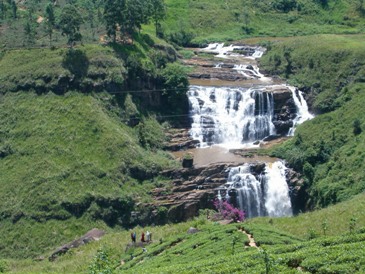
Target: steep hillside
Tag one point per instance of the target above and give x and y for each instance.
(68, 157)
(79, 143)
(329, 150)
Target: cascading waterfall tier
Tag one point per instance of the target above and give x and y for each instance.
(230, 116)
(263, 194)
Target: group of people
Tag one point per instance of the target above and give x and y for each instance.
(144, 237)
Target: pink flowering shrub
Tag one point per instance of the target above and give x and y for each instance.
(228, 211)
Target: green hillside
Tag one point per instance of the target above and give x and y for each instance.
(81, 147)
(328, 150)
(200, 22)
(327, 241)
(68, 157)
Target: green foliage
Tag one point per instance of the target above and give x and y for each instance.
(357, 127)
(70, 160)
(92, 68)
(283, 247)
(101, 263)
(129, 16)
(175, 83)
(327, 150)
(50, 21)
(352, 224)
(69, 22)
(151, 134)
(4, 267)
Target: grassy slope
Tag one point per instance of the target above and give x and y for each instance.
(207, 20)
(288, 242)
(212, 21)
(210, 26)
(65, 151)
(60, 69)
(326, 150)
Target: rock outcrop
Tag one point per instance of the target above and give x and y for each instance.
(180, 139)
(297, 191)
(192, 189)
(92, 235)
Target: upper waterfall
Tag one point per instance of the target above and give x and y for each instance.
(230, 116)
(241, 115)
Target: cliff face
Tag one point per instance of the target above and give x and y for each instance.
(196, 188)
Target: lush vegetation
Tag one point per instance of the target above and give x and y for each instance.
(326, 241)
(70, 157)
(199, 22)
(183, 22)
(329, 150)
(80, 146)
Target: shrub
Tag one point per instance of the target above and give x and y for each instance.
(229, 212)
(101, 263)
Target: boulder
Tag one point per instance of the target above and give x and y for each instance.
(92, 235)
(192, 230)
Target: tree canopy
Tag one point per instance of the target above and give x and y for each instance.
(69, 22)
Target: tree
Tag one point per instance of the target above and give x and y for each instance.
(69, 22)
(175, 84)
(112, 16)
(134, 14)
(90, 6)
(246, 21)
(50, 21)
(3, 9)
(158, 13)
(125, 15)
(14, 9)
(357, 127)
(29, 29)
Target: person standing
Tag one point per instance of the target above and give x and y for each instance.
(142, 238)
(148, 236)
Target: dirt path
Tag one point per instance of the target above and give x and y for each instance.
(251, 239)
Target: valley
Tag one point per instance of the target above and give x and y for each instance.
(213, 125)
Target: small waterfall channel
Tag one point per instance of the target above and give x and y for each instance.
(244, 115)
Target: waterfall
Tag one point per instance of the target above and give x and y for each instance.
(266, 194)
(230, 116)
(277, 202)
(302, 109)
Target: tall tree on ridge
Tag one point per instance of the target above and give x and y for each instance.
(70, 21)
(158, 13)
(113, 11)
(50, 21)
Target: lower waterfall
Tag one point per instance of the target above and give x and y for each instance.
(264, 194)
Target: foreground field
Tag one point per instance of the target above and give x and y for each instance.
(330, 240)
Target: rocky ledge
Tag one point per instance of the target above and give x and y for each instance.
(196, 188)
(192, 189)
(179, 139)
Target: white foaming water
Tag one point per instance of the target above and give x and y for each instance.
(238, 117)
(277, 200)
(264, 195)
(249, 191)
(302, 110)
(228, 51)
(230, 116)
